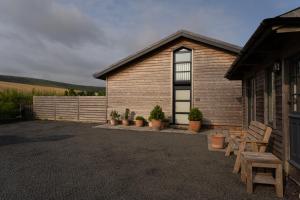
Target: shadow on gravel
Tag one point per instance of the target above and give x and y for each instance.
(13, 139)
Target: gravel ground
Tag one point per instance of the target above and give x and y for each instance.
(65, 160)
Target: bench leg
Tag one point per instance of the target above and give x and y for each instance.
(249, 179)
(278, 185)
(237, 164)
(243, 170)
(229, 149)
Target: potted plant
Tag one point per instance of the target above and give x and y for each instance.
(195, 118)
(217, 141)
(139, 121)
(150, 121)
(157, 115)
(125, 120)
(114, 117)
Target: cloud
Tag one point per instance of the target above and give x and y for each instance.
(69, 40)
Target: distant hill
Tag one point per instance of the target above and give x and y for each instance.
(48, 83)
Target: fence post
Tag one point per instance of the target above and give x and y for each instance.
(78, 108)
(54, 97)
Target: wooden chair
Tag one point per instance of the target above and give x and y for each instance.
(255, 139)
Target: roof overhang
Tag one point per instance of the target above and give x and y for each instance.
(180, 34)
(268, 30)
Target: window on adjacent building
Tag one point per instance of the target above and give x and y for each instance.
(270, 97)
(182, 62)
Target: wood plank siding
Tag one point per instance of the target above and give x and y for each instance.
(147, 82)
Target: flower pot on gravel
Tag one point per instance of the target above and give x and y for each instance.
(156, 124)
(195, 126)
(195, 118)
(157, 116)
(139, 121)
(114, 122)
(125, 122)
(114, 118)
(217, 141)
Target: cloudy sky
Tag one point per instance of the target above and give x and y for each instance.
(69, 40)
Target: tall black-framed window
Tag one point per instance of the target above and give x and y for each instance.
(270, 97)
(182, 74)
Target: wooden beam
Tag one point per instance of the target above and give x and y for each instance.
(288, 30)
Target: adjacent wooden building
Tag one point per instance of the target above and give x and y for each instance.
(181, 71)
(269, 67)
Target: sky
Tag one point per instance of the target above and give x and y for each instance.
(69, 40)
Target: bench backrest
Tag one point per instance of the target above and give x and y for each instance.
(259, 132)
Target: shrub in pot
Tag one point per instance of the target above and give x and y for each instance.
(139, 121)
(217, 141)
(114, 117)
(150, 121)
(125, 120)
(195, 118)
(157, 115)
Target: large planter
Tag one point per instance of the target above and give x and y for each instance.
(195, 126)
(156, 124)
(113, 122)
(217, 141)
(139, 123)
(125, 122)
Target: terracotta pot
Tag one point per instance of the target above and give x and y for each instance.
(113, 122)
(195, 126)
(217, 141)
(139, 123)
(150, 124)
(156, 124)
(125, 122)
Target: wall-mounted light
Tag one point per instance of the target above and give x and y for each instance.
(276, 67)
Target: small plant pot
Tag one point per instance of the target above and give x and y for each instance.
(125, 122)
(139, 123)
(156, 124)
(195, 126)
(217, 141)
(150, 124)
(113, 122)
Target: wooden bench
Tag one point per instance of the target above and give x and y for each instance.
(259, 160)
(255, 139)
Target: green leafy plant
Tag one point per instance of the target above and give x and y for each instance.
(157, 113)
(195, 115)
(140, 118)
(126, 114)
(114, 115)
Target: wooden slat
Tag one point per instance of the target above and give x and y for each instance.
(71, 108)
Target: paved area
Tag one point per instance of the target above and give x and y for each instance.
(65, 160)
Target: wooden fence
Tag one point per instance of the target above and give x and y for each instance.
(70, 108)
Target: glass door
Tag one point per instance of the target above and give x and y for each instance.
(295, 113)
(251, 99)
(182, 104)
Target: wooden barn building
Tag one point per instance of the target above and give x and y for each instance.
(269, 67)
(181, 71)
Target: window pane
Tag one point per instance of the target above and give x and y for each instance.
(182, 76)
(182, 94)
(183, 57)
(183, 67)
(182, 106)
(181, 119)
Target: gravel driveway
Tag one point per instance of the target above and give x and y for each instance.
(65, 160)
